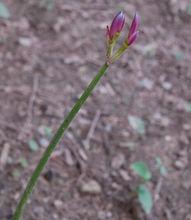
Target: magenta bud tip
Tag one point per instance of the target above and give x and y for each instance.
(116, 25)
(133, 31)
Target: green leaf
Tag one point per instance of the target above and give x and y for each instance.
(33, 145)
(23, 162)
(4, 12)
(179, 55)
(145, 198)
(48, 131)
(161, 167)
(137, 124)
(142, 170)
(188, 107)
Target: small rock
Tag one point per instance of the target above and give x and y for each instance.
(4, 155)
(165, 121)
(124, 174)
(167, 86)
(130, 145)
(104, 215)
(118, 161)
(44, 142)
(41, 130)
(101, 215)
(103, 90)
(116, 186)
(25, 41)
(186, 127)
(68, 157)
(186, 184)
(73, 59)
(168, 138)
(59, 24)
(55, 216)
(58, 204)
(83, 155)
(16, 196)
(91, 187)
(108, 128)
(146, 83)
(179, 164)
(109, 215)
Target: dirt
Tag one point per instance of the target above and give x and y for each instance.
(47, 57)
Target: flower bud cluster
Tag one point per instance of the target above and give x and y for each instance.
(113, 32)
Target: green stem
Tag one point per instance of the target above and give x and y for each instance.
(110, 49)
(55, 140)
(119, 52)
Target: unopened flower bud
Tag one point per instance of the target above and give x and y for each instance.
(133, 31)
(116, 25)
(133, 38)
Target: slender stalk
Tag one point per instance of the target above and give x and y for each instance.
(119, 52)
(55, 140)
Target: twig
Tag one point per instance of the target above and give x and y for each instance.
(4, 155)
(27, 125)
(158, 189)
(91, 130)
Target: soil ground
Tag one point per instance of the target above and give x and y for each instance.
(47, 57)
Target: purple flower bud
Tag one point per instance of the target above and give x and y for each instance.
(133, 33)
(133, 38)
(116, 25)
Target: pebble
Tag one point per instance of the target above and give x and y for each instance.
(118, 161)
(44, 142)
(58, 204)
(187, 184)
(73, 59)
(104, 215)
(186, 127)
(124, 174)
(109, 214)
(55, 216)
(25, 41)
(167, 85)
(68, 157)
(101, 215)
(179, 164)
(165, 121)
(146, 83)
(116, 186)
(91, 187)
(168, 138)
(83, 155)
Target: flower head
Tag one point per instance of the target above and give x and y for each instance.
(133, 31)
(116, 26)
(113, 33)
